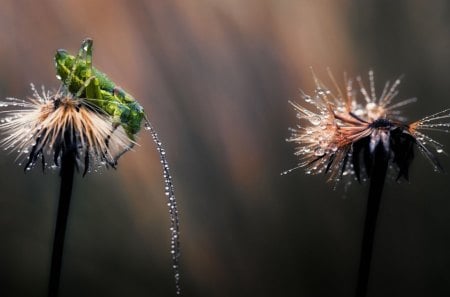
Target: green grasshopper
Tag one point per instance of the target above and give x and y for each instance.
(84, 81)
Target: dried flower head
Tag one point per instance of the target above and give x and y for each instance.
(47, 123)
(339, 134)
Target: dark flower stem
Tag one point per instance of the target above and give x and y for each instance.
(377, 178)
(68, 160)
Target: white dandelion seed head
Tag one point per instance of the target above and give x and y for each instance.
(35, 128)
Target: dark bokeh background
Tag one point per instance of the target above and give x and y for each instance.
(215, 77)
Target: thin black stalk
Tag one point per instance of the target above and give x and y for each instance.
(68, 160)
(377, 177)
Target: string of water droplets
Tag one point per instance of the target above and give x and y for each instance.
(172, 204)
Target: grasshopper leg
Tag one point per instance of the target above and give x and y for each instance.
(92, 88)
(84, 54)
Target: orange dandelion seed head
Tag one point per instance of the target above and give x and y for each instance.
(48, 122)
(340, 129)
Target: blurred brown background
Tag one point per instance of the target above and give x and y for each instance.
(215, 77)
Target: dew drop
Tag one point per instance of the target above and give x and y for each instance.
(371, 106)
(315, 120)
(333, 147)
(359, 112)
(439, 151)
(320, 91)
(319, 151)
(307, 98)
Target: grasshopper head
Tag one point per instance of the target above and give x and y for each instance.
(61, 57)
(61, 54)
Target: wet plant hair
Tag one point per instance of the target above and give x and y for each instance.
(44, 125)
(339, 133)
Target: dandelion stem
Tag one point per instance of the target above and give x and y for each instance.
(68, 160)
(377, 178)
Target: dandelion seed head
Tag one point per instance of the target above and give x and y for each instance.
(340, 128)
(35, 128)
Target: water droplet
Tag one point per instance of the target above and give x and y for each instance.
(320, 91)
(315, 120)
(333, 147)
(439, 151)
(319, 151)
(289, 171)
(359, 112)
(371, 106)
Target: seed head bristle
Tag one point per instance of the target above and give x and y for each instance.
(339, 134)
(35, 128)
